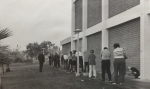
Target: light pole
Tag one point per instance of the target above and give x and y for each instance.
(78, 31)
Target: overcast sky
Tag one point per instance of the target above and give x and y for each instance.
(35, 21)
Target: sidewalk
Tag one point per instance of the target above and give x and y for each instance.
(132, 83)
(0, 83)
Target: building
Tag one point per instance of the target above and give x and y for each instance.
(105, 22)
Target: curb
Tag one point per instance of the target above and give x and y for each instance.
(0, 83)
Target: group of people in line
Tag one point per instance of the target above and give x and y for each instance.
(54, 60)
(69, 63)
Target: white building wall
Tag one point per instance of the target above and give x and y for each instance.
(142, 11)
(145, 39)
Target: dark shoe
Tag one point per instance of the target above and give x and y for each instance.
(94, 77)
(90, 78)
(136, 77)
(103, 79)
(120, 83)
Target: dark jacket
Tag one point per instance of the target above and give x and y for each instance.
(41, 58)
(62, 58)
(91, 59)
(50, 57)
(57, 57)
(133, 69)
(74, 57)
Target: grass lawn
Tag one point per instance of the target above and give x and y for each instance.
(27, 76)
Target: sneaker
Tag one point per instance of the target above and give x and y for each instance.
(94, 77)
(110, 81)
(114, 83)
(120, 83)
(89, 78)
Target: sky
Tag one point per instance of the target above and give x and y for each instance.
(35, 21)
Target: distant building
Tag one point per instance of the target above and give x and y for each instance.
(105, 22)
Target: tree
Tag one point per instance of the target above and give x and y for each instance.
(17, 56)
(33, 49)
(4, 33)
(4, 59)
(47, 45)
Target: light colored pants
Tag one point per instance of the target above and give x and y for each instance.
(92, 70)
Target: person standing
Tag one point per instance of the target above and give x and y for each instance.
(70, 61)
(105, 54)
(65, 61)
(57, 60)
(74, 61)
(50, 59)
(92, 64)
(80, 60)
(41, 59)
(119, 64)
(62, 62)
(53, 59)
(86, 63)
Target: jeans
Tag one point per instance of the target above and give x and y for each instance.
(65, 64)
(74, 65)
(81, 62)
(86, 65)
(58, 63)
(106, 67)
(119, 70)
(41, 66)
(70, 64)
(50, 62)
(92, 71)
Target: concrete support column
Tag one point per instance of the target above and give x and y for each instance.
(84, 28)
(73, 26)
(104, 18)
(144, 40)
